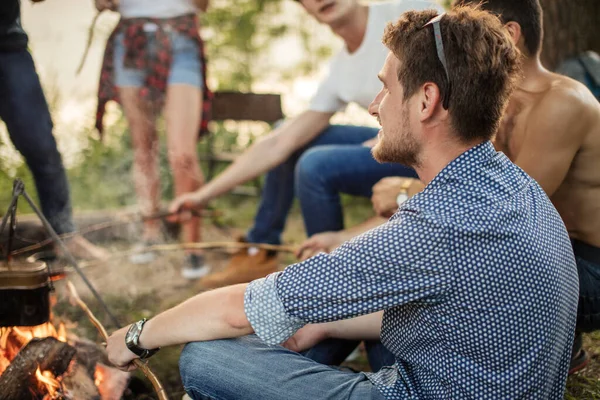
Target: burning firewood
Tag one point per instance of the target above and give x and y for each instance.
(19, 381)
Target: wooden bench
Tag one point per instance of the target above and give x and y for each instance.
(237, 106)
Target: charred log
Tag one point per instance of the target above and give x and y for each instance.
(18, 382)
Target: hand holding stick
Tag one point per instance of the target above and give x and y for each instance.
(160, 391)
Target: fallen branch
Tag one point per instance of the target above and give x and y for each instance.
(160, 391)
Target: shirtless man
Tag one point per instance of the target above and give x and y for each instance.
(551, 129)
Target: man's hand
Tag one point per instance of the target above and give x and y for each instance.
(185, 202)
(387, 190)
(306, 337)
(118, 353)
(325, 241)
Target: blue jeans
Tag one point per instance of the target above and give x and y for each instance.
(588, 268)
(333, 163)
(24, 109)
(185, 68)
(335, 351)
(246, 368)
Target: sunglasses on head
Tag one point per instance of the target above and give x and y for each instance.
(439, 47)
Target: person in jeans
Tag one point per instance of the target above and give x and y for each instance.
(24, 110)
(308, 156)
(472, 284)
(154, 61)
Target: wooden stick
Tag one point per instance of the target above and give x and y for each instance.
(192, 246)
(134, 218)
(90, 37)
(160, 391)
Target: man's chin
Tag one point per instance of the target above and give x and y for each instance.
(379, 154)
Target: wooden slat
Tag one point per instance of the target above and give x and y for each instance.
(239, 106)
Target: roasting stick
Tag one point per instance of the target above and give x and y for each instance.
(160, 391)
(108, 224)
(90, 37)
(192, 246)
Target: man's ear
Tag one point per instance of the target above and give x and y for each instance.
(430, 99)
(514, 30)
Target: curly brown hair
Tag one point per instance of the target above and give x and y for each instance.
(483, 65)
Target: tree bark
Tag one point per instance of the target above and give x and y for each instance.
(18, 381)
(570, 27)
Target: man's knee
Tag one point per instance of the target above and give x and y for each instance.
(205, 366)
(194, 358)
(314, 165)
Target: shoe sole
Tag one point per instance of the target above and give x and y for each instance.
(195, 273)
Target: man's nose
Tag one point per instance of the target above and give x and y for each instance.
(374, 108)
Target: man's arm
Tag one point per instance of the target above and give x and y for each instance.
(401, 261)
(259, 158)
(365, 327)
(216, 314)
(554, 133)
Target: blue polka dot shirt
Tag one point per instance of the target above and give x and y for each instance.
(476, 277)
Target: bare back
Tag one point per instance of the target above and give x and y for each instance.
(554, 135)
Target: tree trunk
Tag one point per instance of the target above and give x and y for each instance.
(570, 27)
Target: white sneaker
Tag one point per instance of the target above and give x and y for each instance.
(142, 255)
(195, 267)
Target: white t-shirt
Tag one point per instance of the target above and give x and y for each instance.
(353, 77)
(156, 8)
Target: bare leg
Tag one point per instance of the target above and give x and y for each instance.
(182, 112)
(145, 157)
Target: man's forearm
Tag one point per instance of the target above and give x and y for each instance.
(365, 327)
(268, 153)
(216, 314)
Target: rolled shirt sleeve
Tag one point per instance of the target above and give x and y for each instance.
(266, 313)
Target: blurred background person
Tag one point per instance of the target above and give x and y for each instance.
(24, 110)
(154, 62)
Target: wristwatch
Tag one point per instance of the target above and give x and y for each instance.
(132, 340)
(403, 195)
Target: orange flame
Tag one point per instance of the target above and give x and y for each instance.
(12, 340)
(49, 381)
(98, 376)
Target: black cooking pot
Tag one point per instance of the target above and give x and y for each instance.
(24, 293)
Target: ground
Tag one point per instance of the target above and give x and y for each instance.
(136, 291)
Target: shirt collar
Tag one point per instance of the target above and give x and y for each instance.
(461, 165)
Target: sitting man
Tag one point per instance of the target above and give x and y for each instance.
(551, 129)
(472, 284)
(307, 153)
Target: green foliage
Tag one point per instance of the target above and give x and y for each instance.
(236, 37)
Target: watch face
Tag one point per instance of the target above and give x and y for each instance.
(402, 197)
(130, 337)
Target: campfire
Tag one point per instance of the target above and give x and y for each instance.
(44, 362)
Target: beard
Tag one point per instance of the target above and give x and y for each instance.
(396, 147)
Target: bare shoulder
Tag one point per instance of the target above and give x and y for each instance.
(567, 103)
